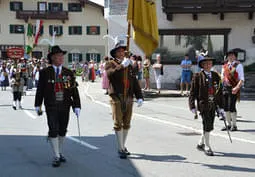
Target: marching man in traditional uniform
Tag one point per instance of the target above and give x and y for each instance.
(206, 89)
(123, 86)
(58, 89)
(233, 77)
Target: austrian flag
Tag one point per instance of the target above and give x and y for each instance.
(39, 24)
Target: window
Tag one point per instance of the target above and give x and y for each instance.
(42, 6)
(57, 28)
(75, 30)
(17, 29)
(55, 7)
(34, 30)
(74, 57)
(15, 6)
(74, 7)
(93, 56)
(93, 30)
(175, 43)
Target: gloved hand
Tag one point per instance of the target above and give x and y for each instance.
(221, 112)
(194, 111)
(126, 62)
(38, 110)
(77, 112)
(139, 102)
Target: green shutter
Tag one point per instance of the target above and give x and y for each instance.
(69, 58)
(61, 30)
(21, 6)
(80, 57)
(98, 30)
(98, 58)
(61, 7)
(41, 32)
(88, 28)
(80, 30)
(87, 57)
(69, 30)
(50, 30)
(11, 28)
(11, 6)
(50, 6)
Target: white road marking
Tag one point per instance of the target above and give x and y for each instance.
(83, 143)
(172, 123)
(29, 114)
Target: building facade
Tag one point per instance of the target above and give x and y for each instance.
(78, 25)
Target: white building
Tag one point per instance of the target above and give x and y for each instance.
(222, 24)
(79, 25)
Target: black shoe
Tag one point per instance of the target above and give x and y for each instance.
(209, 152)
(226, 128)
(56, 162)
(201, 147)
(234, 128)
(14, 107)
(62, 158)
(122, 154)
(127, 152)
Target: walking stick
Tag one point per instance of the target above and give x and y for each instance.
(224, 120)
(78, 126)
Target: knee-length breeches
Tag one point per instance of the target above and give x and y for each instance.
(208, 120)
(57, 122)
(121, 118)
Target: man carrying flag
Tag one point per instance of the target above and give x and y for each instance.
(123, 84)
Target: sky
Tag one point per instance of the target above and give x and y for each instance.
(101, 2)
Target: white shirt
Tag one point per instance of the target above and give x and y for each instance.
(59, 67)
(239, 70)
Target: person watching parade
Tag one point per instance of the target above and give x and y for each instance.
(233, 77)
(206, 90)
(123, 86)
(58, 89)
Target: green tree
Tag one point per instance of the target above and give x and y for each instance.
(195, 41)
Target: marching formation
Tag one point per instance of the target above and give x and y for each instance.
(56, 87)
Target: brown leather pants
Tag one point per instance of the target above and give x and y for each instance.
(121, 114)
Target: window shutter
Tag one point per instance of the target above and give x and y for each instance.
(87, 29)
(61, 6)
(69, 30)
(50, 6)
(80, 57)
(69, 58)
(11, 6)
(11, 28)
(21, 6)
(98, 30)
(41, 32)
(87, 57)
(98, 58)
(80, 30)
(61, 30)
(50, 30)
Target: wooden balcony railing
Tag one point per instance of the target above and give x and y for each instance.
(35, 14)
(208, 6)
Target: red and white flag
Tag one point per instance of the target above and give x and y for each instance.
(38, 28)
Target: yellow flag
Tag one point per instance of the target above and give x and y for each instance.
(143, 17)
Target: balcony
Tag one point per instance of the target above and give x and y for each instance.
(35, 14)
(194, 7)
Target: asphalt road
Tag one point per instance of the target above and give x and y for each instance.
(162, 141)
